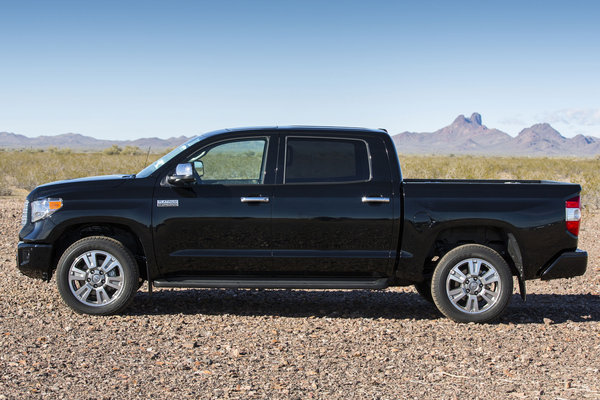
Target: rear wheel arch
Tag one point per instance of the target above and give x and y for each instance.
(496, 238)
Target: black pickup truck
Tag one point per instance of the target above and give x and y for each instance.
(298, 207)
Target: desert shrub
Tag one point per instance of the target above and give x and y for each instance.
(5, 189)
(113, 150)
(132, 151)
(52, 150)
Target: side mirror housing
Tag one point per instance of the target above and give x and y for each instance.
(184, 173)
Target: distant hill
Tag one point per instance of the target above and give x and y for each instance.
(470, 136)
(463, 136)
(80, 142)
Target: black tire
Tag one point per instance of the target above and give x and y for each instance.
(424, 289)
(90, 288)
(478, 280)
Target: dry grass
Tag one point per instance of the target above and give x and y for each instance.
(27, 169)
(584, 171)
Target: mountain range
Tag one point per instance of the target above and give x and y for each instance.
(81, 142)
(470, 136)
(463, 136)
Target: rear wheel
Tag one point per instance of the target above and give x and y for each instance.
(472, 283)
(97, 275)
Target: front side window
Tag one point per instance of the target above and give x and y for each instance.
(238, 162)
(321, 160)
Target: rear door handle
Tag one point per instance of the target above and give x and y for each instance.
(367, 199)
(254, 199)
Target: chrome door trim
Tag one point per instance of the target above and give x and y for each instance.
(254, 199)
(366, 199)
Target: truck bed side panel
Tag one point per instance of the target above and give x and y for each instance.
(534, 212)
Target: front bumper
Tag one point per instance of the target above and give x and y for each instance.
(567, 265)
(35, 260)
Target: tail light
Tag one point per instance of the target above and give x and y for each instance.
(573, 215)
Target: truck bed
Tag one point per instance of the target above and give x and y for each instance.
(436, 211)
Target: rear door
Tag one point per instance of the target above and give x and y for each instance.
(333, 206)
(222, 223)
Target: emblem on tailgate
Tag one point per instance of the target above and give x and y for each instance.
(167, 203)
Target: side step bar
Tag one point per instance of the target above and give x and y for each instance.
(240, 282)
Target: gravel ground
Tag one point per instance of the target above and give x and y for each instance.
(297, 344)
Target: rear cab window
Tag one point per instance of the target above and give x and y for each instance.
(326, 160)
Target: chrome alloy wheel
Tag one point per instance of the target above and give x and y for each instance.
(96, 278)
(473, 286)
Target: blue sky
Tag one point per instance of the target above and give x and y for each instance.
(128, 69)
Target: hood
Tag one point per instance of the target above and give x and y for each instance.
(87, 184)
(90, 179)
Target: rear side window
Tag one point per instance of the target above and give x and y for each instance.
(321, 160)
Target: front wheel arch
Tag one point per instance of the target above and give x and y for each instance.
(124, 234)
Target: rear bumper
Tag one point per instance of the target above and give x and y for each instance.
(34, 260)
(567, 265)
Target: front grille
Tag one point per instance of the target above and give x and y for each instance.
(25, 216)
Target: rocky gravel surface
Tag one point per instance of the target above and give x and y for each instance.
(297, 344)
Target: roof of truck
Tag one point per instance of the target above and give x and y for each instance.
(306, 128)
(296, 129)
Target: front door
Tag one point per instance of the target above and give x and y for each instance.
(221, 224)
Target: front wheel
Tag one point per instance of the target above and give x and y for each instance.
(97, 275)
(472, 283)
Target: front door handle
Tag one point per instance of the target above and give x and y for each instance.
(254, 199)
(367, 199)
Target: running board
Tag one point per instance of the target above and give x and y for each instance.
(240, 282)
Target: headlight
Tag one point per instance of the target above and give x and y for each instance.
(41, 209)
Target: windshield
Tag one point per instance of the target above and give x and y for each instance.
(167, 157)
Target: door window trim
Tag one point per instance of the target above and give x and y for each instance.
(370, 176)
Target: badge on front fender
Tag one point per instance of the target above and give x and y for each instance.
(167, 203)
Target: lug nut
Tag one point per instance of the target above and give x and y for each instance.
(95, 285)
(467, 281)
(88, 279)
(468, 290)
(102, 280)
(480, 285)
(101, 272)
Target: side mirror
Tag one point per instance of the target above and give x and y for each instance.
(184, 173)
